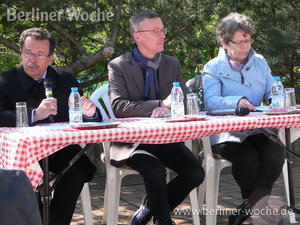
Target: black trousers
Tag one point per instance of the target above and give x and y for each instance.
(256, 164)
(69, 187)
(163, 197)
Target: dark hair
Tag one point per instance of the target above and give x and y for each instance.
(38, 34)
(139, 18)
(233, 22)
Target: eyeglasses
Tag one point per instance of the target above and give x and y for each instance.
(239, 43)
(37, 56)
(156, 32)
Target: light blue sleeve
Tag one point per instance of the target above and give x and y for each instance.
(269, 83)
(213, 98)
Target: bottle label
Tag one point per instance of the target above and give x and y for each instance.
(75, 117)
(278, 102)
(177, 110)
(278, 95)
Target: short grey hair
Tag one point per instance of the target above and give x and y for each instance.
(139, 18)
(232, 23)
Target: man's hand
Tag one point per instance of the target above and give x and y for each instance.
(47, 107)
(245, 103)
(160, 112)
(166, 103)
(88, 107)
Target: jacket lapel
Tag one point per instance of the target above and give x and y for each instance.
(136, 72)
(25, 80)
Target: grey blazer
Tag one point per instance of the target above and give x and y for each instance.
(126, 92)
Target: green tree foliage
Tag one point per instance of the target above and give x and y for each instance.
(85, 46)
(85, 32)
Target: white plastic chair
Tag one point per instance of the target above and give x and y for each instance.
(86, 204)
(210, 187)
(213, 166)
(102, 93)
(115, 175)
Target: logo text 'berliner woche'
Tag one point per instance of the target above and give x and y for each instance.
(70, 14)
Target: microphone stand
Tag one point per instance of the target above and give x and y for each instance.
(46, 198)
(289, 151)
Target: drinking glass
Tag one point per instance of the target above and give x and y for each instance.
(192, 104)
(21, 114)
(290, 99)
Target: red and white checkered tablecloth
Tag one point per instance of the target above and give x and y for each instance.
(22, 148)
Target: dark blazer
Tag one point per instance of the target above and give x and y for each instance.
(126, 88)
(17, 86)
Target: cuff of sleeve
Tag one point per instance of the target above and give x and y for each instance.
(244, 97)
(92, 118)
(32, 116)
(230, 102)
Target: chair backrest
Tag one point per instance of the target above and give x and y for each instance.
(195, 85)
(102, 93)
(98, 95)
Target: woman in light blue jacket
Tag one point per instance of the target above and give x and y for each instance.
(239, 77)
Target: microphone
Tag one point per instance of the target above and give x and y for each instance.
(240, 111)
(48, 88)
(49, 94)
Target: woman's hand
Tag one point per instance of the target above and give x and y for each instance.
(245, 103)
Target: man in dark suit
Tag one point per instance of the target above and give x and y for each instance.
(140, 85)
(24, 84)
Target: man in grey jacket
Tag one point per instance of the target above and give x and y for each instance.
(140, 85)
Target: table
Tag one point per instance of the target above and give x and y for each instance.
(22, 148)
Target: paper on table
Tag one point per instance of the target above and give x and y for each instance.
(53, 126)
(262, 108)
(281, 111)
(186, 118)
(95, 125)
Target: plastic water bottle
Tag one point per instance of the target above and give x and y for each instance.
(278, 94)
(75, 110)
(177, 105)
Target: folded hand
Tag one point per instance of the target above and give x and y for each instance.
(160, 112)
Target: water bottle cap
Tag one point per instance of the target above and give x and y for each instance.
(73, 89)
(176, 84)
(277, 78)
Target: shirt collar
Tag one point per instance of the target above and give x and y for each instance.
(41, 78)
